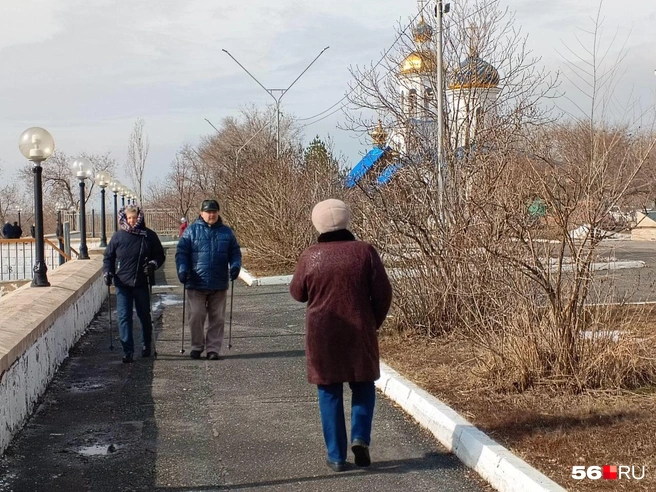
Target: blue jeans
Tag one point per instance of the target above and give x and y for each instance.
(331, 406)
(128, 298)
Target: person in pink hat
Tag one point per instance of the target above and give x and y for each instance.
(348, 295)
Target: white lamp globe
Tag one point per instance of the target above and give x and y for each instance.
(36, 144)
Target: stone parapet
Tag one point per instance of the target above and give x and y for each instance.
(38, 326)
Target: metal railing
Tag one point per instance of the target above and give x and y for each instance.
(17, 257)
(161, 221)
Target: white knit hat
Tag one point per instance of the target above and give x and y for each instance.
(330, 215)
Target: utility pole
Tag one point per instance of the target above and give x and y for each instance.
(271, 92)
(439, 10)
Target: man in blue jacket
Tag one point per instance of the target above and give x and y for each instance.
(207, 257)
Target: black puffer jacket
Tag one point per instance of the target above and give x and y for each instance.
(127, 254)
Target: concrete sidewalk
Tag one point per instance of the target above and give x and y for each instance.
(247, 422)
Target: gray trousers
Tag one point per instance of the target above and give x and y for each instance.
(206, 319)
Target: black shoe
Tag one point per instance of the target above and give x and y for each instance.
(146, 352)
(336, 466)
(195, 354)
(361, 452)
(128, 359)
(213, 356)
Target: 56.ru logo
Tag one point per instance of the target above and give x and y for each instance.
(608, 472)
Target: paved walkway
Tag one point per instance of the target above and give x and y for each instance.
(247, 422)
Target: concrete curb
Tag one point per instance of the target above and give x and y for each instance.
(494, 463)
(253, 281)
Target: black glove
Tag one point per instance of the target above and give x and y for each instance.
(183, 276)
(234, 272)
(108, 278)
(150, 267)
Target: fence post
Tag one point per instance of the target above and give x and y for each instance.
(67, 239)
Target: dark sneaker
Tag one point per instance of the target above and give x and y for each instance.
(213, 356)
(361, 452)
(127, 359)
(146, 352)
(336, 466)
(195, 354)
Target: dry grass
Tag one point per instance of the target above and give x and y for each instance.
(550, 430)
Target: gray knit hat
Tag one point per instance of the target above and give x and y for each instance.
(330, 215)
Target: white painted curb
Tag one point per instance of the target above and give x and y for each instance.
(498, 466)
(253, 281)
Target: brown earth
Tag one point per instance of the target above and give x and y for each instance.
(550, 431)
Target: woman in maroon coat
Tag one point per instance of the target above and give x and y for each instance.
(348, 294)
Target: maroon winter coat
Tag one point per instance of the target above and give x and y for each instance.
(348, 295)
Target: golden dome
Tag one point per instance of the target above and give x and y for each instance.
(419, 62)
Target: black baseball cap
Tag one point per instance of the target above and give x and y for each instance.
(209, 206)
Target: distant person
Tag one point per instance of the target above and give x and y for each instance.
(8, 231)
(348, 295)
(18, 230)
(130, 261)
(183, 226)
(207, 258)
(33, 230)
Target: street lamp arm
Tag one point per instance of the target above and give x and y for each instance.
(306, 69)
(253, 136)
(249, 141)
(217, 130)
(251, 75)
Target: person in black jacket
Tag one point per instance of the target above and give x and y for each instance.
(8, 231)
(18, 230)
(131, 258)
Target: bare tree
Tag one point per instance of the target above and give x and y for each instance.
(10, 201)
(135, 166)
(177, 193)
(516, 284)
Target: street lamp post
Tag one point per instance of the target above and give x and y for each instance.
(103, 179)
(83, 169)
(36, 144)
(19, 217)
(281, 92)
(116, 187)
(60, 233)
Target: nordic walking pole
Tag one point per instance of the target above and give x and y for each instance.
(232, 292)
(109, 304)
(184, 305)
(153, 338)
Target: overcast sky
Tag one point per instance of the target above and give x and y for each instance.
(86, 70)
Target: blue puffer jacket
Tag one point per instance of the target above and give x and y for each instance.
(206, 252)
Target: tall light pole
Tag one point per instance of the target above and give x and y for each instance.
(440, 9)
(281, 92)
(103, 179)
(116, 187)
(36, 144)
(19, 217)
(83, 169)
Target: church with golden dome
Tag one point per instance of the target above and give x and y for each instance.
(470, 91)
